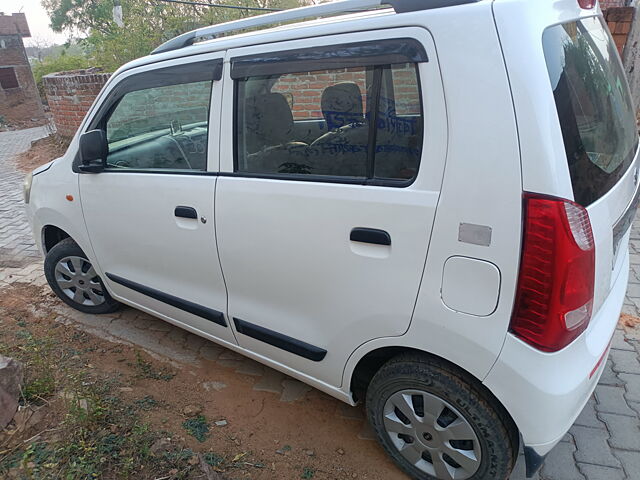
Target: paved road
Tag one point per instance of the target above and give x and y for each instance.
(603, 444)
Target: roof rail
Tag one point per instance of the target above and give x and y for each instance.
(324, 9)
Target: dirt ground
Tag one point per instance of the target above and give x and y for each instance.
(41, 152)
(96, 409)
(76, 382)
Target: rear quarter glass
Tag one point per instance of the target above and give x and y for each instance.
(593, 104)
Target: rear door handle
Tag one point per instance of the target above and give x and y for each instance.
(185, 212)
(370, 235)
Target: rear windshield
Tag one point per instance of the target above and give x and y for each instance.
(594, 106)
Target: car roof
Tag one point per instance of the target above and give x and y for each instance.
(292, 31)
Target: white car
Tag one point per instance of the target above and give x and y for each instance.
(424, 206)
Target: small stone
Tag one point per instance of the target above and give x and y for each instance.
(125, 389)
(217, 386)
(221, 423)
(340, 451)
(237, 441)
(192, 410)
(310, 453)
(284, 450)
(11, 379)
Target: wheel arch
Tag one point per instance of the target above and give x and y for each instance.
(369, 363)
(52, 235)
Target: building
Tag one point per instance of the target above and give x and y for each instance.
(19, 98)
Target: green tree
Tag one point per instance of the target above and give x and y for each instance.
(57, 63)
(147, 23)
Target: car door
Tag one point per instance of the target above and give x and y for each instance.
(323, 242)
(149, 214)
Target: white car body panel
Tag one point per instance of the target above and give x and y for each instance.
(277, 252)
(289, 282)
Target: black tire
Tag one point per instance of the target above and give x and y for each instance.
(69, 248)
(495, 433)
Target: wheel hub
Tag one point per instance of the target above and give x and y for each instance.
(432, 435)
(79, 281)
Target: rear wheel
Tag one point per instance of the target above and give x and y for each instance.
(72, 277)
(437, 424)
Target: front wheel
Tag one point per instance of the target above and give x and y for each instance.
(72, 277)
(437, 424)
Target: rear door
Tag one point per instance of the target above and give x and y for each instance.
(600, 136)
(323, 240)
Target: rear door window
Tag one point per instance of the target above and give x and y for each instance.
(360, 122)
(594, 106)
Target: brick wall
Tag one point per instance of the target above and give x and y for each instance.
(146, 110)
(70, 94)
(605, 4)
(19, 103)
(620, 20)
(304, 90)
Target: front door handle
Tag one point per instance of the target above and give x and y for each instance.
(370, 235)
(185, 212)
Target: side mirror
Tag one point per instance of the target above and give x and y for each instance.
(93, 151)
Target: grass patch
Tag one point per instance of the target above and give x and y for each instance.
(145, 370)
(197, 427)
(213, 459)
(147, 403)
(87, 429)
(307, 473)
(102, 436)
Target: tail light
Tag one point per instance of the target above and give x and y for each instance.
(554, 299)
(587, 4)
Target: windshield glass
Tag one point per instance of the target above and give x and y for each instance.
(594, 105)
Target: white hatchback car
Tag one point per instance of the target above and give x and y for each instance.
(424, 206)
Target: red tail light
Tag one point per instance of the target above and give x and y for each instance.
(587, 4)
(554, 300)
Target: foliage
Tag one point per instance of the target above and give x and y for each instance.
(106, 439)
(213, 459)
(40, 381)
(308, 473)
(100, 434)
(197, 427)
(60, 63)
(147, 24)
(145, 370)
(146, 403)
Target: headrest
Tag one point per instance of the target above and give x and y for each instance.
(342, 104)
(268, 117)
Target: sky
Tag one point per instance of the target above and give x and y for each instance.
(37, 18)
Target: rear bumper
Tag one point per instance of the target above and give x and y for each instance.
(545, 393)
